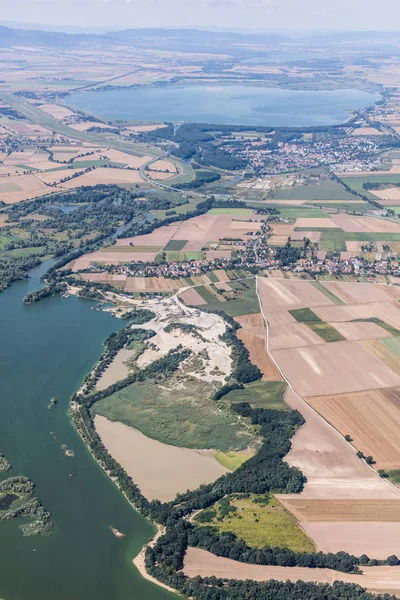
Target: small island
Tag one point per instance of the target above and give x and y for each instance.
(4, 464)
(17, 501)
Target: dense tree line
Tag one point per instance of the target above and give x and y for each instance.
(243, 370)
(15, 269)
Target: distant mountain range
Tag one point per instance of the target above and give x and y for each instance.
(170, 39)
(186, 40)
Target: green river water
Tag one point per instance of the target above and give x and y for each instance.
(45, 351)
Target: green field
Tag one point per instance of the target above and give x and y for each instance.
(392, 344)
(178, 413)
(175, 245)
(212, 276)
(258, 524)
(326, 292)
(184, 256)
(305, 315)
(232, 460)
(246, 305)
(298, 212)
(242, 212)
(356, 183)
(324, 330)
(360, 207)
(260, 394)
(394, 476)
(328, 190)
(336, 240)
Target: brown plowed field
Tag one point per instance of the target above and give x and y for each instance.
(334, 368)
(253, 335)
(201, 563)
(371, 418)
(192, 297)
(343, 510)
(329, 463)
(377, 539)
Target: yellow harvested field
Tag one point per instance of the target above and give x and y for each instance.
(56, 110)
(154, 284)
(55, 177)
(3, 220)
(371, 418)
(366, 131)
(383, 354)
(313, 236)
(253, 335)
(159, 175)
(278, 240)
(86, 125)
(160, 471)
(289, 294)
(105, 278)
(159, 237)
(200, 230)
(282, 229)
(112, 258)
(221, 275)
(390, 193)
(163, 165)
(21, 157)
(29, 129)
(22, 187)
(104, 176)
(354, 246)
(202, 563)
(135, 162)
(215, 254)
(313, 370)
(144, 128)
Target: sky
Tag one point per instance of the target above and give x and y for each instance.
(224, 14)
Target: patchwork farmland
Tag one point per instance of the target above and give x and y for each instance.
(356, 392)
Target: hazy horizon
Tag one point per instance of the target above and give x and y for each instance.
(256, 15)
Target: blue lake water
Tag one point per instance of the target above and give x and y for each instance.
(225, 104)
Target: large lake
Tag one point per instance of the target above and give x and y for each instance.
(225, 104)
(46, 350)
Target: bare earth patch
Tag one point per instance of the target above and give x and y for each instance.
(201, 563)
(253, 335)
(161, 471)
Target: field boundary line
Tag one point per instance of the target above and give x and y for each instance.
(290, 386)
